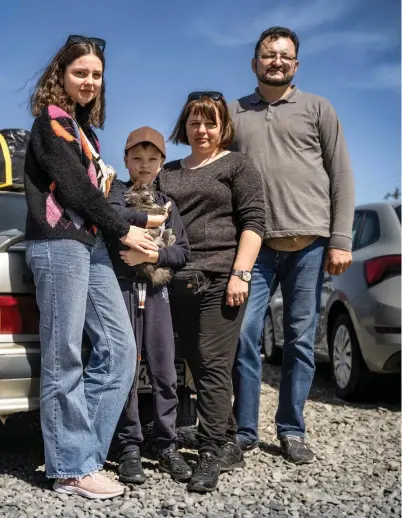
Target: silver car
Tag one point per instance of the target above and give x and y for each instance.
(359, 329)
(19, 326)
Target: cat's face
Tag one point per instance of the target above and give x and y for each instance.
(140, 195)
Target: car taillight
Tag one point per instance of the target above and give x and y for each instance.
(19, 315)
(379, 267)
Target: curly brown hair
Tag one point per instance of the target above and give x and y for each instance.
(210, 109)
(49, 88)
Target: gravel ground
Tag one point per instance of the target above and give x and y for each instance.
(356, 473)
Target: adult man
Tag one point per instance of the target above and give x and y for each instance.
(295, 140)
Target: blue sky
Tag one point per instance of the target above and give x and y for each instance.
(158, 51)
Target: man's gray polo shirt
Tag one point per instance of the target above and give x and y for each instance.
(298, 146)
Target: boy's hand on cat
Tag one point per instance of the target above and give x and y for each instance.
(138, 239)
(134, 257)
(155, 221)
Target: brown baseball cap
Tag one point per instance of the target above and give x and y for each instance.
(146, 134)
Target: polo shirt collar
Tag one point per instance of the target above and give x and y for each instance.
(256, 98)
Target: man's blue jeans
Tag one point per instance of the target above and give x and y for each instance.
(300, 275)
(76, 289)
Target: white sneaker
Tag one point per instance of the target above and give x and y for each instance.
(94, 486)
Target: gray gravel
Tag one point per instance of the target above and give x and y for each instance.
(356, 474)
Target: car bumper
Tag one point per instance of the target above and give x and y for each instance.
(20, 376)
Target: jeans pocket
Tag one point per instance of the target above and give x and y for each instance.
(29, 250)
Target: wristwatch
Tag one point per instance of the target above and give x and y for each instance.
(244, 275)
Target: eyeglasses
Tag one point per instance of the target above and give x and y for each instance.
(75, 38)
(273, 57)
(215, 96)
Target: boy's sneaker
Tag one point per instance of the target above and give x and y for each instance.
(171, 461)
(246, 446)
(231, 456)
(296, 450)
(130, 468)
(94, 486)
(206, 474)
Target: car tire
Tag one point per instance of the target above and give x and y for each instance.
(272, 353)
(187, 407)
(348, 368)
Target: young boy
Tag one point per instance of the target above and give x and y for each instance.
(152, 324)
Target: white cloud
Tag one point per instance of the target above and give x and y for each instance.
(311, 15)
(386, 76)
(349, 41)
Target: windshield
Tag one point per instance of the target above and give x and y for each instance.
(398, 212)
(13, 211)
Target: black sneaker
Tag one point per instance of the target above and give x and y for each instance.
(246, 446)
(295, 449)
(231, 456)
(130, 468)
(172, 462)
(206, 474)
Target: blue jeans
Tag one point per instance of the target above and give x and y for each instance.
(300, 275)
(76, 289)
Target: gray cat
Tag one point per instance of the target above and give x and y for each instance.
(142, 198)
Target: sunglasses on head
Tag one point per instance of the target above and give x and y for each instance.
(75, 38)
(215, 96)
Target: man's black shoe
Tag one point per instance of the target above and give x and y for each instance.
(130, 468)
(231, 456)
(246, 446)
(206, 474)
(172, 462)
(295, 450)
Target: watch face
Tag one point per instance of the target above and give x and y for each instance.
(247, 276)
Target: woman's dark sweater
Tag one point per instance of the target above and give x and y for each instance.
(217, 203)
(61, 185)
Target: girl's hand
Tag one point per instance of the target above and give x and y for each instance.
(139, 239)
(237, 291)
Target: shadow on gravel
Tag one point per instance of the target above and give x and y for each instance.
(384, 391)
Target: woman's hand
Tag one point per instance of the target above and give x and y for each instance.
(134, 257)
(155, 221)
(139, 239)
(237, 291)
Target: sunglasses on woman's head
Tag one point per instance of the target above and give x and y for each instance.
(75, 38)
(215, 96)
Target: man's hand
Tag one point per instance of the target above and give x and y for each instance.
(134, 257)
(237, 291)
(155, 221)
(337, 261)
(139, 239)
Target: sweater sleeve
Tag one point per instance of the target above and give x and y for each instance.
(116, 200)
(177, 255)
(337, 164)
(58, 152)
(247, 196)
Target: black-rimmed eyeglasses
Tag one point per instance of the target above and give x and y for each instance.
(215, 96)
(75, 38)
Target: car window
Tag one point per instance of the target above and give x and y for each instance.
(358, 218)
(13, 212)
(370, 232)
(398, 212)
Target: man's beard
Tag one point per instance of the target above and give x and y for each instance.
(271, 81)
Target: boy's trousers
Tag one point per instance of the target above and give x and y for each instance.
(154, 334)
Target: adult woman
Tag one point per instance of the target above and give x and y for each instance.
(75, 285)
(219, 197)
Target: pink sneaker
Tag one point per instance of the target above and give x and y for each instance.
(91, 486)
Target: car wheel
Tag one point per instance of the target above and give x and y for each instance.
(273, 354)
(347, 365)
(187, 407)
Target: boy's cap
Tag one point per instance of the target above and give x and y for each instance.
(146, 134)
